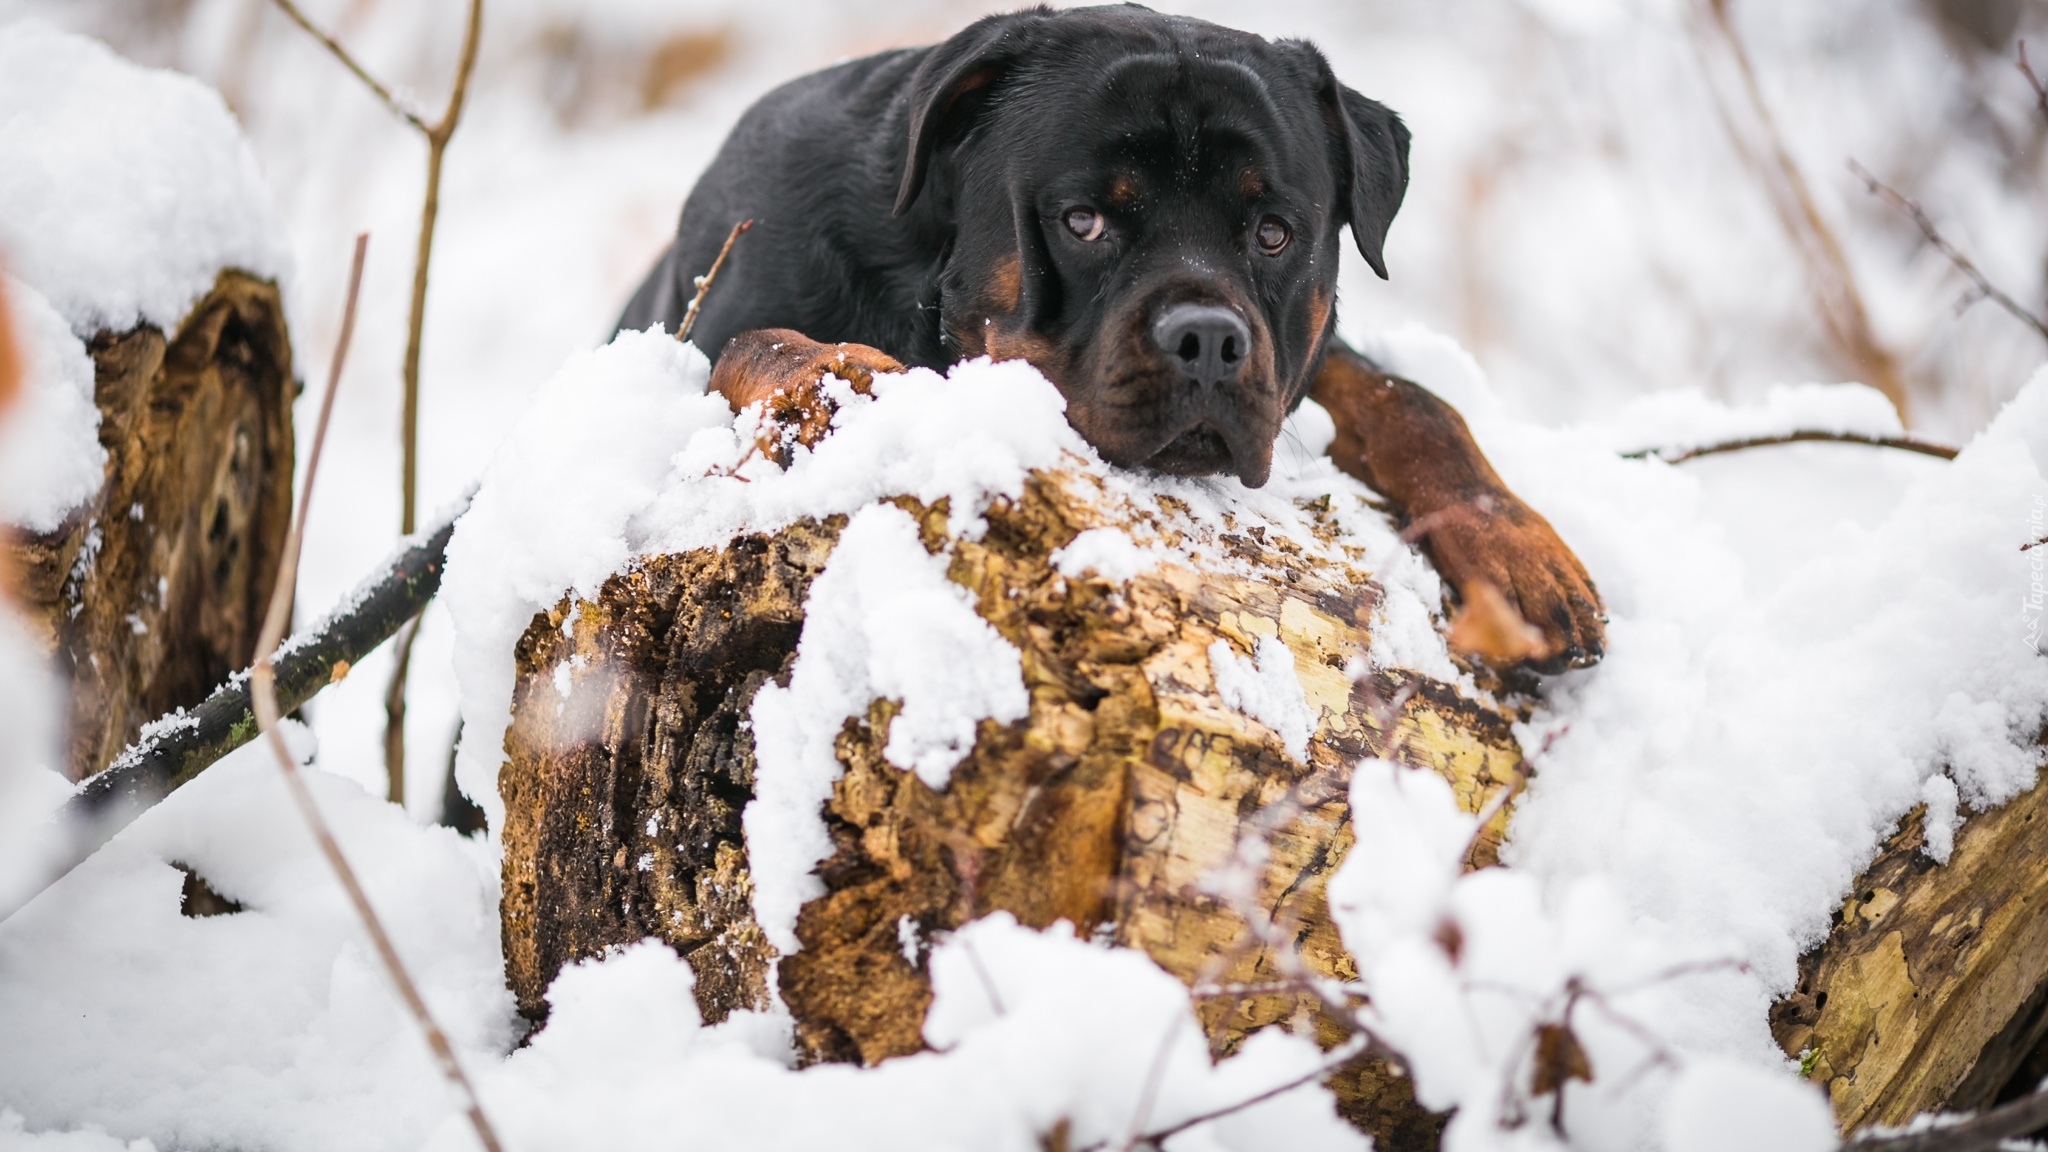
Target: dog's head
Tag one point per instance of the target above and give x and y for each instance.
(1147, 208)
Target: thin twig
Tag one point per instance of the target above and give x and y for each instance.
(1902, 443)
(704, 281)
(263, 683)
(1341, 1055)
(438, 134)
(1148, 1094)
(334, 47)
(1837, 297)
(1981, 285)
(2034, 81)
(1500, 800)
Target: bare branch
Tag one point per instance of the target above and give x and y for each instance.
(1981, 284)
(264, 688)
(2034, 81)
(438, 136)
(1902, 443)
(704, 281)
(1837, 297)
(334, 47)
(472, 35)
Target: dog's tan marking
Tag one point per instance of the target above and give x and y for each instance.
(1318, 313)
(1006, 284)
(1250, 184)
(1124, 190)
(1023, 344)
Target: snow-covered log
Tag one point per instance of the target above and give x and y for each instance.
(152, 591)
(1931, 991)
(1171, 696)
(146, 471)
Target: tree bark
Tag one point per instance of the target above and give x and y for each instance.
(152, 593)
(629, 762)
(1931, 990)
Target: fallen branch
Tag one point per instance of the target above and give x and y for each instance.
(1987, 1129)
(174, 750)
(1902, 443)
(1981, 286)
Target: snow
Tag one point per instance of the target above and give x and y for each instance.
(1941, 817)
(268, 1027)
(50, 455)
(15, 1137)
(1805, 642)
(31, 783)
(1719, 1105)
(1266, 689)
(880, 622)
(1108, 552)
(624, 1054)
(124, 191)
(1774, 697)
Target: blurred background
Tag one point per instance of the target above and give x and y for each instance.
(1608, 198)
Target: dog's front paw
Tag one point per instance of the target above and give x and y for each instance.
(782, 371)
(1524, 597)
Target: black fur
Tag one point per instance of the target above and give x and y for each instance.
(915, 201)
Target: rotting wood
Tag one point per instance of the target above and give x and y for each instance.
(1931, 990)
(150, 594)
(629, 762)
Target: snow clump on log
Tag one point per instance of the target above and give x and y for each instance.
(124, 192)
(881, 622)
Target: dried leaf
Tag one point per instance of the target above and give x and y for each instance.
(1488, 627)
(1451, 939)
(1559, 1057)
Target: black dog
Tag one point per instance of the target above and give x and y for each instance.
(1148, 209)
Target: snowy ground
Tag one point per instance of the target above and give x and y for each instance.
(1805, 641)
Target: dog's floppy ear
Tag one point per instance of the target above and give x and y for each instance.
(1373, 146)
(971, 61)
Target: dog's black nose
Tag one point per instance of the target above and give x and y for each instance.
(1206, 342)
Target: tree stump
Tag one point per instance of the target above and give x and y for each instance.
(153, 593)
(629, 762)
(1931, 990)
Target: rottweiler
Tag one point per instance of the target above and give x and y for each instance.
(1145, 207)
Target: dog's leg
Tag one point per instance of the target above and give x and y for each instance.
(781, 370)
(1415, 449)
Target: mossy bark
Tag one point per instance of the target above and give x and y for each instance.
(628, 764)
(1931, 990)
(153, 593)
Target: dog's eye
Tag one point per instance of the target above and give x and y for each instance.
(1084, 223)
(1273, 234)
